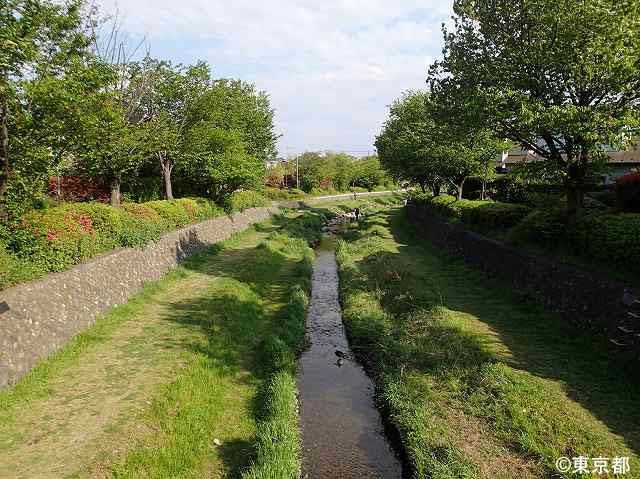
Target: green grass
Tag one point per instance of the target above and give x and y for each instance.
(195, 377)
(478, 382)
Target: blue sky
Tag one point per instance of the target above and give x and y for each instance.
(331, 68)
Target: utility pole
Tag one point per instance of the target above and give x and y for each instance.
(297, 167)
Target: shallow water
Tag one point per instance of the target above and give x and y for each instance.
(341, 428)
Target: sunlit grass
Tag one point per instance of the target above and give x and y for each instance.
(478, 382)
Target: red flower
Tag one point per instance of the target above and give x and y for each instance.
(86, 223)
(52, 235)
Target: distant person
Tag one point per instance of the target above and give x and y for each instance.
(355, 195)
(357, 212)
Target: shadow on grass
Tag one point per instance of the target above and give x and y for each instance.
(232, 321)
(420, 277)
(235, 454)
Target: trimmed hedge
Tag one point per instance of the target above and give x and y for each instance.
(484, 214)
(243, 200)
(612, 238)
(546, 227)
(56, 238)
(494, 215)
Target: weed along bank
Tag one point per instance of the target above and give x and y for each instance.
(282, 241)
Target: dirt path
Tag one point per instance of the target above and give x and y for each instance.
(98, 407)
(341, 428)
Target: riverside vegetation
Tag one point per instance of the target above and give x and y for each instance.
(192, 378)
(478, 383)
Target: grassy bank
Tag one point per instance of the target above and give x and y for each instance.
(478, 383)
(193, 378)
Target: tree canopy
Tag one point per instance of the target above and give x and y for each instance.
(75, 102)
(421, 143)
(559, 78)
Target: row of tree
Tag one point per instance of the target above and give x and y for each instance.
(419, 144)
(328, 170)
(559, 78)
(76, 97)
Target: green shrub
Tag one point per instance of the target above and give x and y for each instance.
(508, 189)
(547, 227)
(177, 212)
(494, 215)
(243, 200)
(59, 237)
(613, 238)
(606, 197)
(486, 214)
(13, 269)
(278, 194)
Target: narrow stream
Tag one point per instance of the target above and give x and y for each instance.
(343, 435)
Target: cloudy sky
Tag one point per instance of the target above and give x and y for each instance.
(331, 68)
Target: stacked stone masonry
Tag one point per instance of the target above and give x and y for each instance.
(39, 317)
(587, 299)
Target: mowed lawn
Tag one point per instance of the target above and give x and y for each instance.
(479, 382)
(190, 379)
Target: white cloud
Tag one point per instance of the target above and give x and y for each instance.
(331, 68)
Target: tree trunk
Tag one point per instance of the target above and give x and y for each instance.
(574, 186)
(115, 191)
(4, 154)
(575, 198)
(167, 167)
(483, 191)
(423, 187)
(460, 187)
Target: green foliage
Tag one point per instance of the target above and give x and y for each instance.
(243, 200)
(235, 105)
(219, 164)
(339, 172)
(368, 174)
(42, 44)
(509, 189)
(564, 83)
(407, 143)
(611, 238)
(422, 144)
(59, 237)
(184, 211)
(486, 214)
(284, 194)
(546, 227)
(494, 215)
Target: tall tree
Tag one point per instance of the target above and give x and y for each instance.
(38, 38)
(408, 146)
(235, 105)
(170, 106)
(114, 138)
(560, 78)
(219, 163)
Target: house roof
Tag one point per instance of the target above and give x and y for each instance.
(631, 156)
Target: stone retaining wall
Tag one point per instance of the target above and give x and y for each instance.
(39, 317)
(588, 299)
